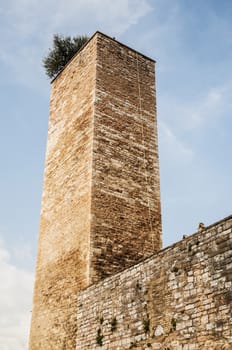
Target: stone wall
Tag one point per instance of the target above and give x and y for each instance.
(63, 249)
(101, 201)
(180, 298)
(125, 202)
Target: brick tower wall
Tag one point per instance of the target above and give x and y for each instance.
(63, 249)
(101, 204)
(126, 223)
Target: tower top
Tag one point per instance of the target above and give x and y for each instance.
(106, 36)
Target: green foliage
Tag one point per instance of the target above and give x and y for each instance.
(99, 337)
(146, 325)
(64, 48)
(173, 323)
(113, 324)
(175, 269)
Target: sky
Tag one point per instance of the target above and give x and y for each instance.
(192, 44)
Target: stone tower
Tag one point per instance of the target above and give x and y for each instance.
(101, 198)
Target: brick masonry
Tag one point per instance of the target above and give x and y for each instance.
(125, 201)
(63, 249)
(101, 200)
(178, 299)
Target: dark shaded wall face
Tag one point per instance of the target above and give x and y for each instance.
(125, 188)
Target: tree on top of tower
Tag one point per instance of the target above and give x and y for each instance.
(64, 48)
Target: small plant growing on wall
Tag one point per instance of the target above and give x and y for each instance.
(173, 323)
(99, 337)
(64, 48)
(113, 324)
(146, 325)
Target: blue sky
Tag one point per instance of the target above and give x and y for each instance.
(192, 44)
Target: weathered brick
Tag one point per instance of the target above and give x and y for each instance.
(101, 215)
(101, 198)
(199, 321)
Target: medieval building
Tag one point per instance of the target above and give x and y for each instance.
(102, 278)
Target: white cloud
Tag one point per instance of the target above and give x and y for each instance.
(115, 17)
(28, 15)
(30, 24)
(22, 252)
(197, 112)
(15, 303)
(211, 107)
(31, 18)
(171, 146)
(184, 125)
